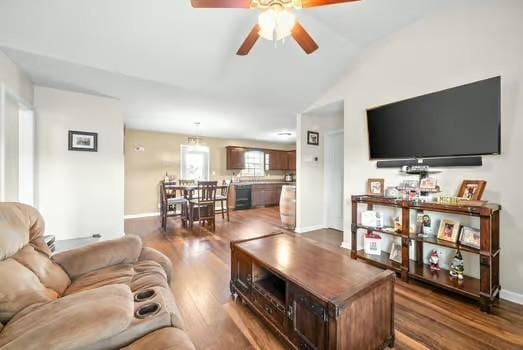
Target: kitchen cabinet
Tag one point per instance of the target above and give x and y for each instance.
(266, 195)
(274, 159)
(291, 160)
(235, 158)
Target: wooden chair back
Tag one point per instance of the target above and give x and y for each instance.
(207, 191)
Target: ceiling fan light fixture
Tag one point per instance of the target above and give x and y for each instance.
(276, 23)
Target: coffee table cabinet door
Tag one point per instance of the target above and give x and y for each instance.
(308, 322)
(242, 271)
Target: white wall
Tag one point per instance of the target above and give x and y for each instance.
(79, 193)
(309, 173)
(473, 42)
(16, 90)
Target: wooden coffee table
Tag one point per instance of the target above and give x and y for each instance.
(311, 297)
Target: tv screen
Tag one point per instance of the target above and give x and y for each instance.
(461, 121)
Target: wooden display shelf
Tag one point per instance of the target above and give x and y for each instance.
(469, 286)
(434, 240)
(486, 288)
(380, 230)
(382, 260)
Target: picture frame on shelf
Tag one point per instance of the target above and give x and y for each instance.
(428, 183)
(368, 218)
(470, 237)
(313, 138)
(376, 187)
(82, 141)
(472, 189)
(395, 252)
(449, 230)
(424, 225)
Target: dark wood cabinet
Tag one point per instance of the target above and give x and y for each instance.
(266, 195)
(307, 319)
(241, 272)
(235, 158)
(274, 159)
(311, 297)
(291, 160)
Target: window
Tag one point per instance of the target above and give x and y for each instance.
(254, 164)
(194, 163)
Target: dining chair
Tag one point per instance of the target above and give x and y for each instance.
(170, 198)
(204, 203)
(223, 199)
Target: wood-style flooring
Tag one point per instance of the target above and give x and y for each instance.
(426, 318)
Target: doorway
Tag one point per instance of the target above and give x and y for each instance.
(333, 179)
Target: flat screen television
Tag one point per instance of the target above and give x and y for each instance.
(461, 121)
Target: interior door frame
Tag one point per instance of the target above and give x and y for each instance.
(328, 138)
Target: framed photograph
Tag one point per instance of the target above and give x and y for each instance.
(449, 230)
(472, 189)
(313, 138)
(395, 252)
(428, 183)
(424, 225)
(368, 218)
(83, 141)
(470, 237)
(376, 187)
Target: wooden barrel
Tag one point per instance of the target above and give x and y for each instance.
(288, 206)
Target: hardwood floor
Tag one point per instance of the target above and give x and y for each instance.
(426, 318)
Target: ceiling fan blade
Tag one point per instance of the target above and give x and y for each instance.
(304, 39)
(249, 41)
(318, 3)
(221, 4)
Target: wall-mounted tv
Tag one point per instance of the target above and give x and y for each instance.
(461, 121)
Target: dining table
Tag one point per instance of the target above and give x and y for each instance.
(188, 192)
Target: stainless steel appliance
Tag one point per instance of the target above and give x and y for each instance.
(288, 178)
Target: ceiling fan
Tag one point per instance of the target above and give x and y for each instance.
(275, 22)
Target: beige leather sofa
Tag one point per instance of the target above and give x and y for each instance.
(109, 295)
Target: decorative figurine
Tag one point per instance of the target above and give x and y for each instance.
(457, 266)
(434, 261)
(397, 224)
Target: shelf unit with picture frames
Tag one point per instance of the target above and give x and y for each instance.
(484, 289)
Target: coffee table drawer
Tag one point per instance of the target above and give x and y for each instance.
(270, 310)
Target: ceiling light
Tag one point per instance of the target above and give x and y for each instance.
(285, 133)
(276, 23)
(195, 140)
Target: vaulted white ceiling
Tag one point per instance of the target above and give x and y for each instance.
(173, 65)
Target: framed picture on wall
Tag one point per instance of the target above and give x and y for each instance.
(83, 141)
(313, 138)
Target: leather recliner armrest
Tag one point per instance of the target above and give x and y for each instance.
(72, 322)
(152, 254)
(77, 262)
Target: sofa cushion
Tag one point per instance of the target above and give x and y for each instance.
(80, 261)
(72, 322)
(166, 339)
(20, 225)
(49, 273)
(20, 288)
(143, 274)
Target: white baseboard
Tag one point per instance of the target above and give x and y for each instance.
(511, 296)
(142, 215)
(309, 228)
(345, 245)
